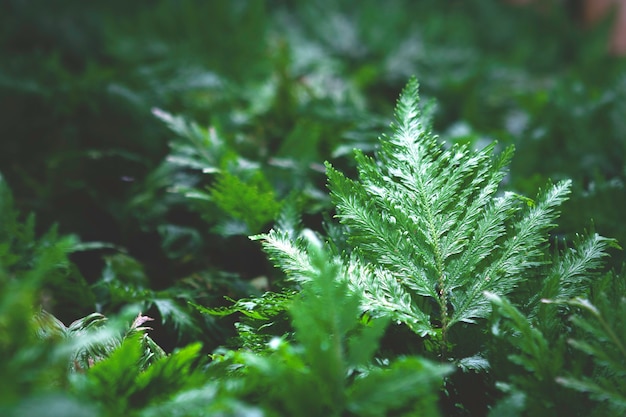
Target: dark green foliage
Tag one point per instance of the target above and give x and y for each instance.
(93, 338)
(23, 254)
(119, 383)
(434, 234)
(263, 318)
(540, 362)
(437, 253)
(36, 349)
(328, 368)
(124, 282)
(600, 325)
(432, 245)
(252, 201)
(550, 370)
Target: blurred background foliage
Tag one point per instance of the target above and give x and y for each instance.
(142, 125)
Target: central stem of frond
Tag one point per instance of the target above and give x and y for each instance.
(443, 305)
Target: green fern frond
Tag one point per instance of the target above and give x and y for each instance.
(261, 317)
(603, 339)
(203, 150)
(520, 251)
(265, 307)
(383, 294)
(408, 381)
(121, 384)
(206, 400)
(290, 254)
(569, 276)
(533, 350)
(426, 225)
(538, 361)
(429, 215)
(94, 337)
(549, 364)
(252, 201)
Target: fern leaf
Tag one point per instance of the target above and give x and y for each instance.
(520, 252)
(603, 339)
(265, 307)
(373, 234)
(430, 216)
(569, 277)
(604, 393)
(252, 201)
(120, 383)
(204, 150)
(383, 294)
(428, 233)
(289, 254)
(409, 381)
(533, 347)
(381, 291)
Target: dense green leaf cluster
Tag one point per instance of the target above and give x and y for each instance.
(328, 368)
(428, 242)
(425, 282)
(431, 244)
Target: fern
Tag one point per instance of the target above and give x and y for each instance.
(431, 218)
(35, 356)
(550, 373)
(203, 149)
(328, 368)
(227, 189)
(124, 282)
(570, 274)
(120, 384)
(93, 338)
(264, 318)
(533, 350)
(252, 201)
(427, 239)
(205, 400)
(427, 231)
(602, 338)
